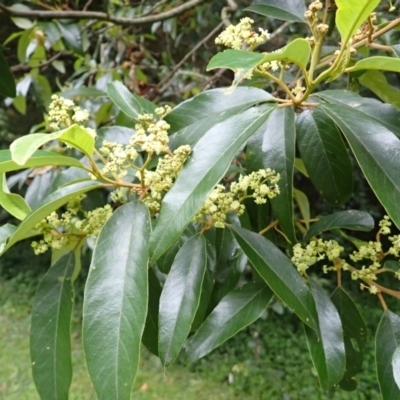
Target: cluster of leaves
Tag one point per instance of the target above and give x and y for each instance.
(182, 287)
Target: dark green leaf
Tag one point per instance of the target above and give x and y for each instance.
(72, 36)
(236, 310)
(50, 331)
(279, 274)
(116, 299)
(180, 297)
(207, 164)
(7, 83)
(325, 156)
(69, 176)
(288, 10)
(349, 219)
(386, 342)
(376, 150)
(327, 349)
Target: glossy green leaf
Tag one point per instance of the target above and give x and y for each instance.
(287, 10)
(349, 219)
(24, 147)
(354, 334)
(39, 158)
(53, 202)
(304, 206)
(325, 156)
(279, 148)
(351, 15)
(207, 164)
(69, 176)
(7, 83)
(279, 274)
(376, 150)
(13, 203)
(71, 33)
(130, 103)
(236, 310)
(327, 349)
(387, 341)
(180, 297)
(51, 331)
(386, 114)
(378, 62)
(396, 366)
(115, 303)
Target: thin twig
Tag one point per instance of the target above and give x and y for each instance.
(26, 68)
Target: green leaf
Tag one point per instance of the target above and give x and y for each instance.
(378, 62)
(349, 219)
(396, 366)
(115, 303)
(279, 274)
(325, 156)
(48, 205)
(327, 349)
(71, 33)
(22, 23)
(279, 148)
(51, 331)
(354, 334)
(6, 231)
(24, 147)
(303, 204)
(376, 150)
(180, 297)
(7, 83)
(13, 203)
(351, 15)
(69, 176)
(130, 103)
(287, 10)
(39, 158)
(386, 114)
(207, 164)
(236, 310)
(387, 341)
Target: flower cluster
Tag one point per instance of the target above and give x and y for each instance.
(63, 112)
(61, 230)
(236, 36)
(313, 8)
(262, 183)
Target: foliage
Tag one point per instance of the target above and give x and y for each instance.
(198, 223)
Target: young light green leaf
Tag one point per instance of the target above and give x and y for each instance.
(180, 297)
(378, 62)
(7, 83)
(51, 331)
(208, 163)
(376, 150)
(39, 158)
(396, 366)
(320, 145)
(236, 310)
(13, 203)
(76, 136)
(279, 274)
(304, 205)
(129, 103)
(287, 10)
(387, 341)
(349, 219)
(351, 15)
(327, 349)
(115, 302)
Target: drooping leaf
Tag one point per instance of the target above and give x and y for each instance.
(279, 274)
(51, 203)
(304, 205)
(387, 341)
(349, 219)
(130, 103)
(325, 156)
(115, 303)
(39, 158)
(396, 366)
(236, 310)
(327, 349)
(7, 83)
(378, 62)
(24, 147)
(351, 15)
(205, 167)
(180, 297)
(50, 335)
(288, 10)
(376, 150)
(13, 203)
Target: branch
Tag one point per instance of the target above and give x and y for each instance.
(100, 16)
(26, 68)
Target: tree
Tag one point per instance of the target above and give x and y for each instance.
(201, 193)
